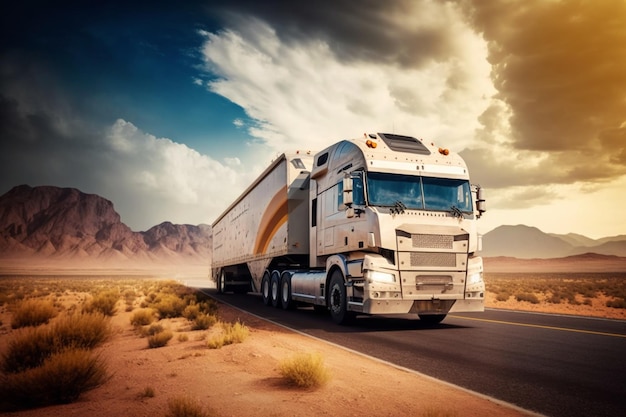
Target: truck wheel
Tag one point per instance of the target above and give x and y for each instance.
(432, 318)
(286, 301)
(338, 300)
(265, 288)
(275, 288)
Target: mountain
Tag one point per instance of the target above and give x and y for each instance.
(55, 224)
(526, 242)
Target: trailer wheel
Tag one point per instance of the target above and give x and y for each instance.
(432, 318)
(265, 288)
(338, 300)
(286, 301)
(275, 288)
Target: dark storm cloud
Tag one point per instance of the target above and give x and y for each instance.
(398, 32)
(561, 67)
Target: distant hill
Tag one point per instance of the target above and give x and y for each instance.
(526, 242)
(58, 225)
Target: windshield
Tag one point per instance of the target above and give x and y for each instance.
(418, 193)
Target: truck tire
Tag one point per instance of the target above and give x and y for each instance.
(275, 289)
(432, 318)
(286, 301)
(265, 288)
(338, 299)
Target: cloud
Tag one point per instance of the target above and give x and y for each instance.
(303, 94)
(149, 179)
(559, 70)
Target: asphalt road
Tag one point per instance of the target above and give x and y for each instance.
(550, 364)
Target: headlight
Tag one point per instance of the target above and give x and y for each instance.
(381, 276)
(474, 278)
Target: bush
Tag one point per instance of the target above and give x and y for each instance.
(61, 378)
(204, 321)
(169, 306)
(30, 348)
(185, 407)
(305, 371)
(617, 303)
(32, 313)
(160, 339)
(231, 333)
(103, 302)
(142, 317)
(527, 296)
(503, 296)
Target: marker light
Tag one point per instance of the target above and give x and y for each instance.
(444, 151)
(371, 144)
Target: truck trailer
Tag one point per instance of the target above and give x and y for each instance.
(382, 224)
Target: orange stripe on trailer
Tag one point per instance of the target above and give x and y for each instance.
(274, 217)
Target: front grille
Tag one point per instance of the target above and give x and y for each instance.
(432, 241)
(433, 259)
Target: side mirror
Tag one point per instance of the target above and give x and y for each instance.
(347, 191)
(480, 200)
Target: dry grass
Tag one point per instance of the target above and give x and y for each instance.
(160, 339)
(186, 407)
(61, 378)
(305, 371)
(230, 334)
(32, 312)
(31, 347)
(142, 317)
(559, 288)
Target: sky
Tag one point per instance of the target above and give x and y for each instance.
(171, 110)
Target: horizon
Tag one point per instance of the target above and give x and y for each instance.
(171, 111)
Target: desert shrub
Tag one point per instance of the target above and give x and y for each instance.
(527, 296)
(154, 329)
(186, 407)
(182, 337)
(305, 371)
(503, 296)
(170, 305)
(142, 317)
(30, 348)
(191, 311)
(616, 303)
(32, 312)
(104, 302)
(61, 378)
(204, 321)
(160, 339)
(231, 333)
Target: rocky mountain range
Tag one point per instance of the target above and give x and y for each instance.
(526, 242)
(65, 224)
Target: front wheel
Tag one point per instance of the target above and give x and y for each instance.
(338, 299)
(432, 318)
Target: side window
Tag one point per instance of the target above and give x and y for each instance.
(358, 194)
(331, 201)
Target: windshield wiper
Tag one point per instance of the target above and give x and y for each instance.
(398, 207)
(456, 211)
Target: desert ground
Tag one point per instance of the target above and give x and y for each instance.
(244, 379)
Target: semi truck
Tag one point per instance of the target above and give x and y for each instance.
(380, 224)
